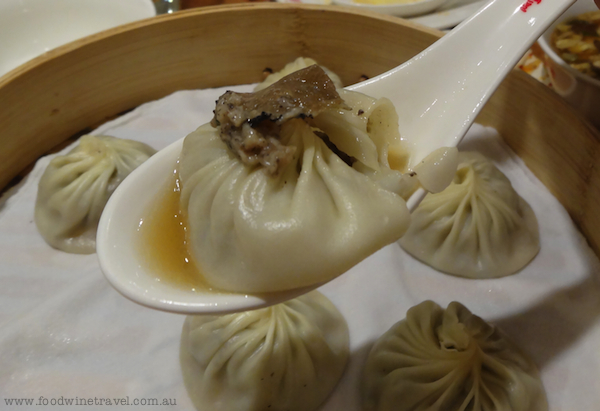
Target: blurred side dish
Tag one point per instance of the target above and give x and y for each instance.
(577, 42)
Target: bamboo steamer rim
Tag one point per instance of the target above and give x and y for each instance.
(204, 11)
(42, 81)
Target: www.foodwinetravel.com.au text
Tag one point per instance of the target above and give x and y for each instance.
(89, 401)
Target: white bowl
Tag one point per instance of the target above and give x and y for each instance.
(29, 28)
(580, 90)
(404, 8)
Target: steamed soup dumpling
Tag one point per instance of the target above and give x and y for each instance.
(449, 360)
(478, 227)
(291, 187)
(286, 357)
(75, 188)
(298, 64)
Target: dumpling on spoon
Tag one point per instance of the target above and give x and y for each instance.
(291, 186)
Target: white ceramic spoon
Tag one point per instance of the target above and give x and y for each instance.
(437, 95)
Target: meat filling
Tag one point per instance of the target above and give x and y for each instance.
(251, 122)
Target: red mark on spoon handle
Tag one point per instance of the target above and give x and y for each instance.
(528, 4)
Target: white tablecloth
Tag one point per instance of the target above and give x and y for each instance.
(65, 334)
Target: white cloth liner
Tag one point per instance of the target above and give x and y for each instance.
(64, 332)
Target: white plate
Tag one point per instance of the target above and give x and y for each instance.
(403, 8)
(29, 28)
(438, 14)
(450, 14)
(65, 333)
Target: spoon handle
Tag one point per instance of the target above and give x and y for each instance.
(451, 80)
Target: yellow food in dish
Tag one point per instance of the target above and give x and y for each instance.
(577, 42)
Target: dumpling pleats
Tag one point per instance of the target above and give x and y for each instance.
(75, 187)
(478, 227)
(314, 220)
(285, 357)
(449, 360)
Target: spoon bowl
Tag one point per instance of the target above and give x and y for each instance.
(437, 95)
(122, 262)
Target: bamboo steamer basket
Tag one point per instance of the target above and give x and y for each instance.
(80, 85)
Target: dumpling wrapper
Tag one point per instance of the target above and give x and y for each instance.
(75, 187)
(286, 357)
(449, 360)
(478, 227)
